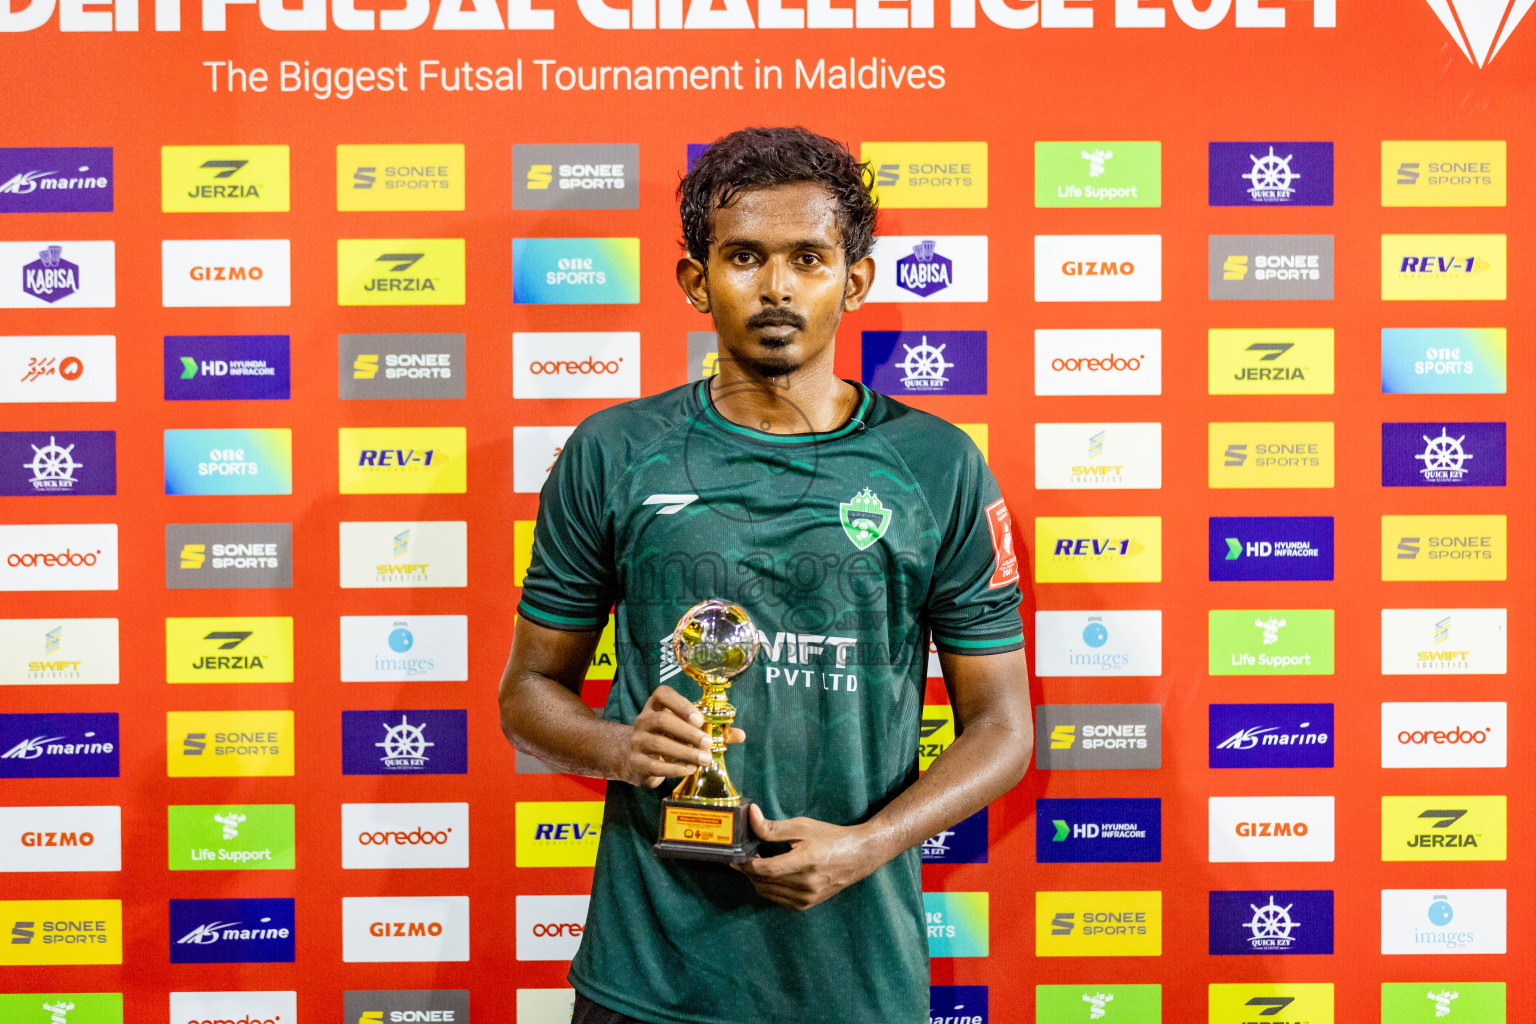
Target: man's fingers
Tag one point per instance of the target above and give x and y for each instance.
(778, 868)
(734, 735)
(661, 746)
(666, 697)
(782, 896)
(666, 722)
(656, 766)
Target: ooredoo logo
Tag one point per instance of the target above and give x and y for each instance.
(1098, 362)
(404, 929)
(224, 272)
(576, 365)
(234, 1007)
(1444, 734)
(59, 557)
(550, 927)
(405, 835)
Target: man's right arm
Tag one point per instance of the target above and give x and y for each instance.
(542, 714)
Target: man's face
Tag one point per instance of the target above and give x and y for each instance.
(776, 283)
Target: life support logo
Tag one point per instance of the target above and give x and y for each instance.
(550, 927)
(404, 929)
(403, 177)
(1098, 923)
(1268, 641)
(224, 179)
(400, 271)
(222, 744)
(234, 272)
(928, 175)
(1098, 174)
(60, 932)
(411, 835)
(230, 837)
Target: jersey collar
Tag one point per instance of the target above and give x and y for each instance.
(857, 421)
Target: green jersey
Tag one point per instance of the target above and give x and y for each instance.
(847, 549)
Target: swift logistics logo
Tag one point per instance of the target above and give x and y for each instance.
(82, 745)
(400, 366)
(404, 648)
(1269, 829)
(1419, 921)
(1443, 361)
(1098, 549)
(928, 175)
(959, 923)
(1098, 456)
(1444, 641)
(1271, 735)
(1098, 923)
(232, 931)
(394, 836)
(1270, 454)
(965, 842)
(230, 837)
(1098, 268)
(227, 744)
(1443, 173)
(1278, 1003)
(1090, 1004)
(404, 554)
(450, 1006)
(58, 463)
(1271, 548)
(558, 834)
(1479, 30)
(232, 272)
(910, 363)
(57, 275)
(1443, 267)
(935, 268)
(400, 272)
(576, 271)
(238, 461)
(1442, 454)
(408, 742)
(1099, 643)
(600, 177)
(238, 367)
(1099, 362)
(1270, 361)
(1270, 267)
(1271, 173)
(1271, 922)
(59, 932)
(1449, 1002)
(400, 177)
(61, 839)
(1445, 734)
(402, 460)
(56, 180)
(1098, 174)
(58, 651)
(404, 929)
(1444, 547)
(224, 179)
(58, 368)
(235, 556)
(229, 650)
(1098, 736)
(1444, 828)
(1108, 831)
(1287, 642)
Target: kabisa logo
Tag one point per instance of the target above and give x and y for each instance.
(225, 272)
(401, 365)
(1093, 736)
(1265, 829)
(594, 177)
(56, 180)
(64, 1007)
(241, 556)
(1443, 267)
(226, 367)
(550, 927)
(403, 177)
(1443, 361)
(229, 650)
(57, 275)
(411, 742)
(1442, 454)
(1459, 1003)
(1269, 267)
(232, 931)
(52, 932)
(1098, 362)
(1271, 173)
(222, 744)
(56, 463)
(928, 175)
(1270, 454)
(402, 460)
(61, 651)
(1419, 921)
(50, 277)
(404, 929)
(964, 842)
(1098, 923)
(1101, 549)
(59, 746)
(234, 179)
(1089, 1004)
(957, 1004)
(1443, 173)
(400, 271)
(1116, 831)
(958, 923)
(61, 839)
(230, 837)
(234, 1007)
(240, 461)
(1479, 30)
(1435, 734)
(1098, 174)
(1107, 643)
(1443, 828)
(1444, 547)
(439, 1006)
(925, 271)
(391, 836)
(385, 648)
(935, 268)
(1271, 735)
(1098, 268)
(905, 363)
(560, 833)
(1279, 1003)
(1271, 922)
(1271, 548)
(1270, 361)
(563, 271)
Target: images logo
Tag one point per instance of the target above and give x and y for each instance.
(1098, 923)
(400, 271)
(43, 180)
(229, 650)
(1454, 1003)
(1443, 361)
(224, 368)
(1097, 736)
(1289, 642)
(1098, 174)
(1271, 174)
(406, 177)
(225, 272)
(1085, 644)
(1270, 361)
(576, 177)
(1454, 267)
(404, 742)
(223, 744)
(958, 923)
(1271, 735)
(1280, 1003)
(1270, 267)
(59, 746)
(1468, 734)
(61, 839)
(1443, 173)
(558, 834)
(1098, 456)
(404, 929)
(937, 268)
(1442, 454)
(1112, 1004)
(1103, 549)
(230, 837)
(394, 836)
(224, 179)
(1267, 829)
(402, 460)
(928, 175)
(1418, 921)
(1098, 362)
(1271, 922)
(56, 932)
(386, 648)
(1444, 547)
(963, 843)
(237, 556)
(904, 363)
(1270, 455)
(550, 927)
(1443, 828)
(585, 364)
(248, 461)
(957, 1004)
(1480, 30)
(232, 931)
(58, 463)
(401, 365)
(68, 651)
(57, 275)
(581, 271)
(1098, 268)
(1112, 831)
(1271, 548)
(450, 1006)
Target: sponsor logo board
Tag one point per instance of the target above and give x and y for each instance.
(1099, 643)
(1105, 831)
(1098, 268)
(1099, 362)
(1271, 173)
(400, 365)
(1270, 454)
(232, 931)
(402, 460)
(1270, 361)
(235, 1007)
(450, 1006)
(1098, 549)
(408, 742)
(534, 451)
(1269, 922)
(230, 837)
(236, 556)
(928, 175)
(581, 271)
(400, 177)
(400, 272)
(404, 648)
(959, 923)
(576, 364)
(1113, 1004)
(404, 554)
(1270, 829)
(1443, 267)
(255, 649)
(1271, 735)
(226, 367)
(964, 842)
(1270, 267)
(1444, 547)
(1443, 360)
(225, 272)
(1098, 736)
(404, 929)
(224, 744)
(1444, 734)
(1098, 456)
(71, 1007)
(61, 839)
(957, 1004)
(56, 179)
(600, 177)
(236, 461)
(1098, 174)
(1440, 454)
(1444, 828)
(58, 368)
(937, 268)
(915, 363)
(78, 745)
(550, 927)
(60, 932)
(1439, 921)
(1278, 1003)
(1449, 1002)
(703, 355)
(1271, 548)
(74, 556)
(57, 463)
(558, 834)
(1444, 641)
(57, 275)
(1098, 923)
(936, 731)
(224, 179)
(391, 836)
(1422, 172)
(1284, 642)
(58, 651)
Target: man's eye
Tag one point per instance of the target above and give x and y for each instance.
(809, 259)
(742, 258)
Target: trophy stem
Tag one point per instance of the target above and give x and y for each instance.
(710, 785)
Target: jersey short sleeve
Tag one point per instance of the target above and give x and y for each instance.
(973, 604)
(571, 581)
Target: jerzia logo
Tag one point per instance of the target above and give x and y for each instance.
(400, 271)
(237, 179)
(1443, 828)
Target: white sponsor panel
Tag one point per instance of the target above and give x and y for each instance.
(234, 1007)
(1444, 641)
(77, 556)
(534, 450)
(1444, 734)
(1268, 829)
(1098, 456)
(404, 554)
(58, 368)
(404, 929)
(1098, 268)
(576, 364)
(545, 1005)
(1099, 362)
(1086, 644)
(1439, 921)
(61, 838)
(58, 652)
(404, 648)
(929, 268)
(404, 836)
(224, 272)
(550, 927)
(58, 275)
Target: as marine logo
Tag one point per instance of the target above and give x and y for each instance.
(864, 518)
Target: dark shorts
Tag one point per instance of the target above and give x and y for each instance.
(588, 1012)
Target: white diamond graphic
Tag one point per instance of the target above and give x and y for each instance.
(1480, 27)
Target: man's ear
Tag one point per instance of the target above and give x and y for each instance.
(693, 279)
(861, 276)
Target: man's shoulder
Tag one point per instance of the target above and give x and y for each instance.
(932, 447)
(621, 432)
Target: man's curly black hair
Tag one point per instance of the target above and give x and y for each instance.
(752, 158)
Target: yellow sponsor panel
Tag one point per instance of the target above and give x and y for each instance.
(1443, 267)
(1270, 361)
(1443, 173)
(400, 271)
(239, 179)
(37, 933)
(928, 175)
(220, 744)
(1444, 828)
(1281, 1002)
(405, 177)
(1444, 547)
(977, 433)
(522, 549)
(402, 460)
(1271, 454)
(1113, 923)
(229, 650)
(1098, 549)
(558, 833)
(936, 732)
(605, 659)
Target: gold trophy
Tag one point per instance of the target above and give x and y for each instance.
(705, 818)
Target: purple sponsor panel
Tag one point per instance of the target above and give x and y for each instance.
(1271, 174)
(1441, 454)
(410, 742)
(234, 367)
(61, 462)
(965, 842)
(1271, 735)
(232, 931)
(59, 746)
(1271, 548)
(907, 363)
(1270, 922)
(56, 180)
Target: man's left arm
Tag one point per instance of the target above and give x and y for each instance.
(993, 743)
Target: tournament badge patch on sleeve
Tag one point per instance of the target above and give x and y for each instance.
(999, 521)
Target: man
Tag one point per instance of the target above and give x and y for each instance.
(849, 527)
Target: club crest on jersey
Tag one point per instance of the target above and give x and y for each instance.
(864, 519)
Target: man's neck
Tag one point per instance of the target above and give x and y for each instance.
(810, 399)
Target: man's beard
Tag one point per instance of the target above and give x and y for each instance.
(776, 361)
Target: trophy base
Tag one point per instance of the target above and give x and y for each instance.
(691, 831)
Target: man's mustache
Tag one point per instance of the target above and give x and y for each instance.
(776, 318)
